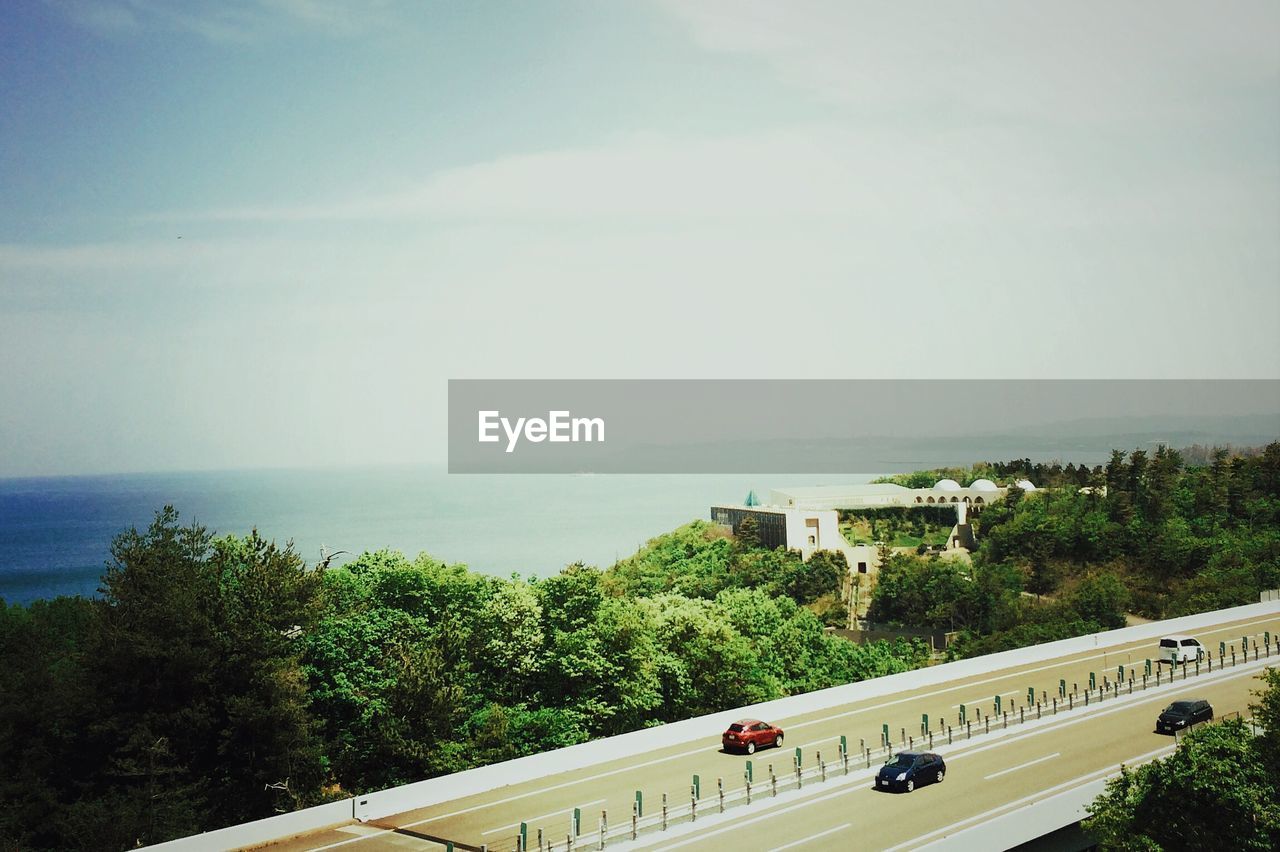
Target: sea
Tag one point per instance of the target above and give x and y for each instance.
(56, 532)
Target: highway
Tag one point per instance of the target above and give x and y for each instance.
(987, 774)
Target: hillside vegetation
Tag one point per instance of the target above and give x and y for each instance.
(220, 680)
(1142, 534)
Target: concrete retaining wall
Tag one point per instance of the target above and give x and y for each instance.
(437, 790)
(705, 728)
(261, 831)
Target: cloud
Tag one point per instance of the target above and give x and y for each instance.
(981, 176)
(1083, 61)
(226, 20)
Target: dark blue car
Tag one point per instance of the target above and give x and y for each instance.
(909, 770)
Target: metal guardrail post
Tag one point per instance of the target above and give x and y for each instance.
(635, 817)
(773, 780)
(693, 803)
(822, 767)
(540, 840)
(720, 788)
(604, 828)
(664, 811)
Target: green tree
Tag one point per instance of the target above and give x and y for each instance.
(203, 704)
(1212, 791)
(1101, 598)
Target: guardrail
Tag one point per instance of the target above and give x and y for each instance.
(437, 790)
(793, 775)
(375, 805)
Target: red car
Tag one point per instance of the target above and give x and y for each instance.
(749, 734)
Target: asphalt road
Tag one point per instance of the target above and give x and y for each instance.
(987, 774)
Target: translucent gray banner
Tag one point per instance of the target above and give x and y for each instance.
(837, 426)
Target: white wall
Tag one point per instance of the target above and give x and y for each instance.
(704, 728)
(708, 728)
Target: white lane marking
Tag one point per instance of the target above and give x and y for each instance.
(1050, 727)
(566, 811)
(977, 701)
(1007, 674)
(518, 796)
(813, 837)
(818, 742)
(352, 840)
(1022, 766)
(794, 725)
(768, 815)
(916, 842)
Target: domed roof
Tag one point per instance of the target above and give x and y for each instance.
(1025, 485)
(947, 485)
(983, 485)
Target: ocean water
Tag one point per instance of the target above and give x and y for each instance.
(56, 532)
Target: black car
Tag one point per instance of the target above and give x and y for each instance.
(909, 770)
(1183, 714)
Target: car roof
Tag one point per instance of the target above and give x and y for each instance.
(1176, 636)
(747, 722)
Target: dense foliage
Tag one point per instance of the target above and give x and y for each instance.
(219, 680)
(1142, 534)
(1220, 789)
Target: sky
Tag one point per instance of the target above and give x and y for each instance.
(265, 233)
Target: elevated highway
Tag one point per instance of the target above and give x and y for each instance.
(1035, 729)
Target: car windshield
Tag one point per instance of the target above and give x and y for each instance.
(902, 761)
(1179, 707)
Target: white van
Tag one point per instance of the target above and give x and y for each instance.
(1180, 649)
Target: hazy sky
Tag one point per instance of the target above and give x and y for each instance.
(266, 232)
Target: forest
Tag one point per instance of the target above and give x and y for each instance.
(220, 679)
(1145, 534)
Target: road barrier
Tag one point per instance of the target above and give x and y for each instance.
(423, 794)
(818, 773)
